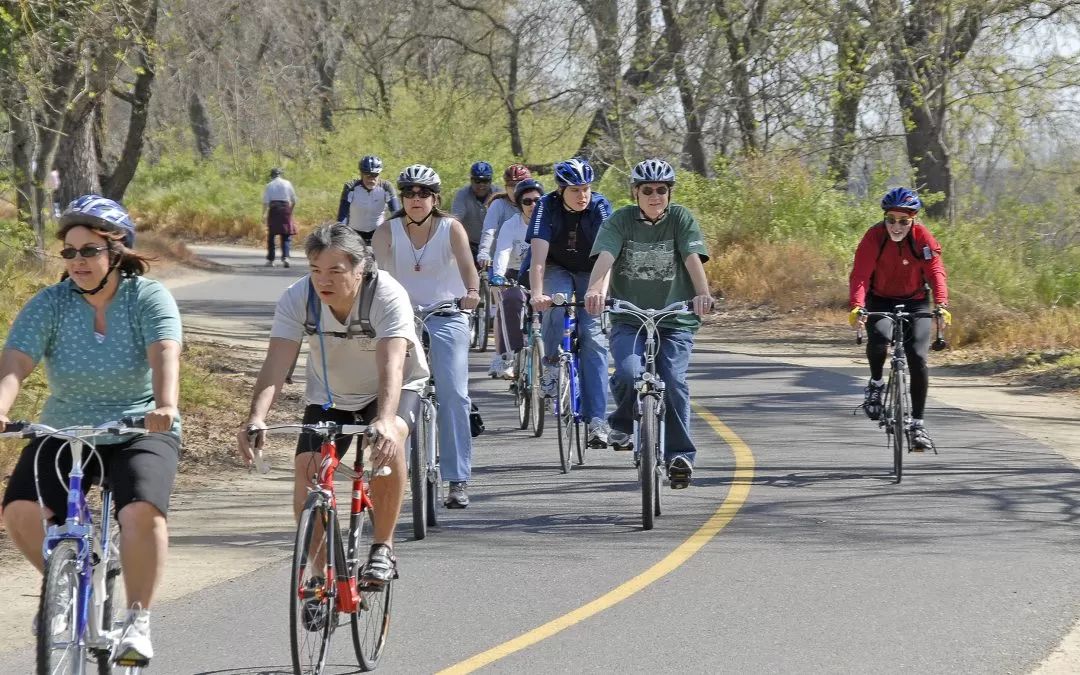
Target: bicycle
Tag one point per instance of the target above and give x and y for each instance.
(528, 397)
(333, 587)
(81, 566)
(649, 407)
(896, 404)
(567, 402)
(425, 479)
(481, 322)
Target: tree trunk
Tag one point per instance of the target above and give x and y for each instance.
(929, 156)
(124, 172)
(76, 159)
(852, 60)
(325, 91)
(513, 121)
(27, 194)
(693, 143)
(201, 126)
(739, 48)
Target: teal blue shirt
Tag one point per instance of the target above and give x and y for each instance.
(94, 380)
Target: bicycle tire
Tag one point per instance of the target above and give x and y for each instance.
(648, 438)
(577, 442)
(431, 462)
(62, 563)
(522, 395)
(899, 433)
(535, 391)
(315, 511)
(418, 478)
(564, 416)
(483, 310)
(375, 602)
(575, 391)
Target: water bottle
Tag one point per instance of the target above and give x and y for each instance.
(259, 464)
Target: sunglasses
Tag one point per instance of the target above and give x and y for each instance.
(70, 252)
(529, 201)
(371, 175)
(890, 220)
(419, 193)
(481, 181)
(648, 190)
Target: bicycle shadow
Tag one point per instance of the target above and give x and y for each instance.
(331, 669)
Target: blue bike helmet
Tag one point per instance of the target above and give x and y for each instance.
(527, 185)
(652, 171)
(574, 171)
(100, 213)
(481, 171)
(901, 199)
(371, 164)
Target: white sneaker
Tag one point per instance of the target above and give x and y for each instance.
(507, 370)
(598, 433)
(496, 368)
(134, 645)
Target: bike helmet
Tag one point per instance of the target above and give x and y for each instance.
(100, 213)
(371, 164)
(527, 185)
(275, 172)
(901, 199)
(419, 175)
(516, 173)
(574, 171)
(652, 171)
(481, 171)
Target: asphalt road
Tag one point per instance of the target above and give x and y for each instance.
(969, 566)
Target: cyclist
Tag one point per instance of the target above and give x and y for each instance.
(895, 262)
(501, 207)
(127, 364)
(651, 253)
(279, 199)
(510, 249)
(427, 250)
(470, 202)
(561, 234)
(350, 378)
(364, 200)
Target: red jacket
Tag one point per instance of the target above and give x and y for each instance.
(898, 270)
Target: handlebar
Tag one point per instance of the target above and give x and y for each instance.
(563, 300)
(442, 306)
(121, 427)
(327, 430)
(939, 342)
(682, 307)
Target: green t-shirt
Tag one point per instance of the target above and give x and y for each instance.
(650, 260)
(94, 378)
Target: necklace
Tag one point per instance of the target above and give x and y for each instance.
(423, 249)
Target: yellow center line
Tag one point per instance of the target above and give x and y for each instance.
(736, 496)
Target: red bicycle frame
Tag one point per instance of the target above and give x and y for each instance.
(348, 598)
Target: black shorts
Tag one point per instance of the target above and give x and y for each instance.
(408, 410)
(141, 469)
(366, 236)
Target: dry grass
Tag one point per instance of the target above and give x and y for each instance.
(785, 275)
(194, 226)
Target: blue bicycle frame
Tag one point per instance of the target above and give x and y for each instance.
(568, 351)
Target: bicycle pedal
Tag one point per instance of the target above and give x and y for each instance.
(128, 661)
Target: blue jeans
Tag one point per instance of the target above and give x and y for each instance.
(592, 345)
(672, 360)
(449, 362)
(285, 238)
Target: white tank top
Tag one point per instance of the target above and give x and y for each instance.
(438, 277)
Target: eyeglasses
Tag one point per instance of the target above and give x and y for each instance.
(890, 220)
(529, 201)
(648, 190)
(419, 193)
(370, 175)
(71, 252)
(481, 181)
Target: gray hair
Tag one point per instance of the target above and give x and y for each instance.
(343, 238)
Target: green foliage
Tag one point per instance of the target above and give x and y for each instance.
(442, 128)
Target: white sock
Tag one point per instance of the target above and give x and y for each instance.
(877, 383)
(916, 422)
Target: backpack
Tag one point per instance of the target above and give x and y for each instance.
(358, 327)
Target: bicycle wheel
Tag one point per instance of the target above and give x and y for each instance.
(898, 417)
(371, 622)
(522, 395)
(575, 393)
(648, 438)
(58, 642)
(564, 415)
(104, 657)
(483, 310)
(418, 478)
(431, 463)
(535, 392)
(312, 593)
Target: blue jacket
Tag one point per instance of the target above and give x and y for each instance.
(549, 220)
